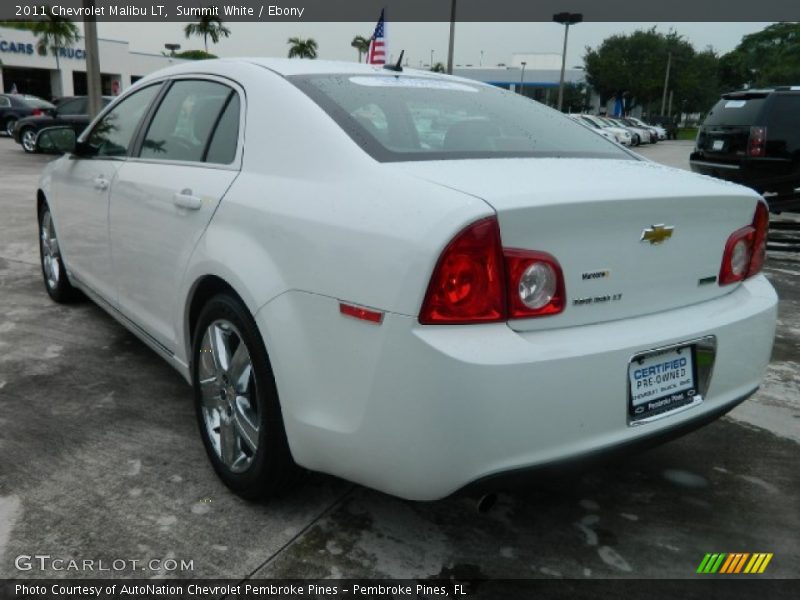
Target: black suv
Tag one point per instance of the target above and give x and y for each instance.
(752, 137)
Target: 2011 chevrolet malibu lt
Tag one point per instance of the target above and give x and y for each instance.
(405, 279)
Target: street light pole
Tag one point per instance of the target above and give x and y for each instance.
(94, 88)
(452, 43)
(666, 84)
(566, 19)
(522, 77)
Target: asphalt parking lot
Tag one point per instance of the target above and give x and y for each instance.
(100, 459)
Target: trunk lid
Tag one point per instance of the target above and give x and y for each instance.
(590, 214)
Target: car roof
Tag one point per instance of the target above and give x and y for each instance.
(288, 67)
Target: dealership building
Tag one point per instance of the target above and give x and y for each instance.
(24, 69)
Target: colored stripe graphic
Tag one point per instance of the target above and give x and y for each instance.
(734, 562)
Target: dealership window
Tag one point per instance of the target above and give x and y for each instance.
(184, 122)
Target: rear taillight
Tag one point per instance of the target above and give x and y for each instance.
(37, 112)
(467, 285)
(757, 142)
(477, 281)
(745, 249)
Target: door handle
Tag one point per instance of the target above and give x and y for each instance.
(186, 199)
(100, 183)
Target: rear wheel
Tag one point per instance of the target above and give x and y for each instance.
(9, 125)
(236, 402)
(28, 140)
(55, 275)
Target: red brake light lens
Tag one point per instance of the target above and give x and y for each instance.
(757, 143)
(37, 112)
(745, 249)
(477, 281)
(468, 285)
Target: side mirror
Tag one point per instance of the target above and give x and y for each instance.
(57, 140)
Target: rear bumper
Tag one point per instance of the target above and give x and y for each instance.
(422, 411)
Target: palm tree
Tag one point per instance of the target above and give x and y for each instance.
(300, 48)
(361, 44)
(208, 27)
(54, 33)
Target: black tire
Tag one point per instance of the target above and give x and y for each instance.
(269, 469)
(28, 146)
(636, 140)
(56, 281)
(8, 126)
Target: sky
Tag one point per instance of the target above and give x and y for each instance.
(498, 41)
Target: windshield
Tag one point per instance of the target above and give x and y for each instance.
(397, 118)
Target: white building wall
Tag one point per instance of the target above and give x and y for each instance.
(116, 60)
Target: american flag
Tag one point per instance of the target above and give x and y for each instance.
(377, 46)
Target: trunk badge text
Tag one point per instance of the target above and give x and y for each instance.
(656, 234)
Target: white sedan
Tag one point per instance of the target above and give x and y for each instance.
(412, 281)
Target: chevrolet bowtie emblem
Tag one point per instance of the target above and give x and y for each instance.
(657, 233)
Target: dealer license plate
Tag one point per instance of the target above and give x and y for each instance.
(661, 382)
(718, 145)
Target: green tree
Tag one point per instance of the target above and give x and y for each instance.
(634, 65)
(438, 68)
(53, 34)
(207, 27)
(575, 97)
(361, 44)
(195, 55)
(300, 48)
(768, 57)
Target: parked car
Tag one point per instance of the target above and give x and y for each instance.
(605, 132)
(413, 316)
(640, 136)
(17, 106)
(753, 138)
(661, 133)
(622, 135)
(632, 122)
(670, 125)
(72, 111)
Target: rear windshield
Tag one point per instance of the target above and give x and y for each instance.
(400, 118)
(736, 111)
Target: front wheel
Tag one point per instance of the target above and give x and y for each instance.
(28, 140)
(55, 275)
(236, 402)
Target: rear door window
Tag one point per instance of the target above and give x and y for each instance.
(222, 149)
(185, 120)
(76, 106)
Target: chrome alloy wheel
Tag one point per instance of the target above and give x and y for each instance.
(10, 124)
(50, 254)
(29, 140)
(228, 395)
